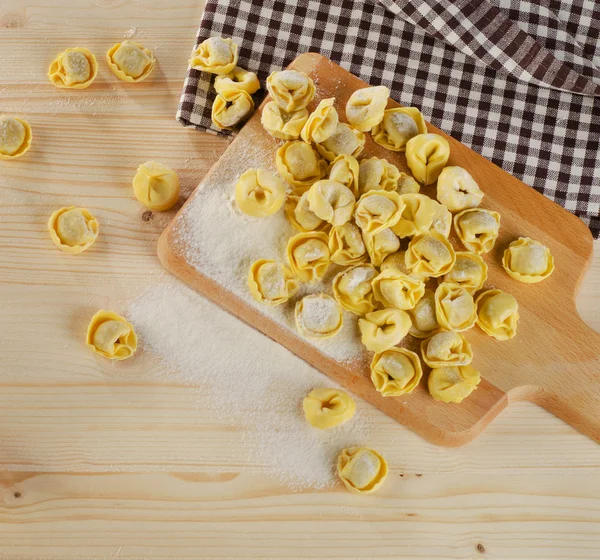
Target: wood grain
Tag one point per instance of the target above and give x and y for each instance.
(108, 462)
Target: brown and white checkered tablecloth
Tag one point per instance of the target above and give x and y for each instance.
(516, 80)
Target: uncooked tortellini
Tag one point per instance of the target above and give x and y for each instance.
(259, 193)
(424, 319)
(457, 190)
(377, 174)
(352, 288)
(345, 169)
(361, 469)
(497, 314)
(396, 371)
(308, 255)
(442, 219)
(321, 123)
(454, 307)
(398, 126)
(215, 55)
(528, 261)
(271, 282)
(393, 288)
(380, 330)
(72, 229)
(477, 229)
(318, 316)
(407, 184)
(237, 79)
(231, 107)
(300, 215)
(377, 210)
(15, 137)
(130, 62)
(156, 186)
(328, 408)
(299, 164)
(111, 336)
(446, 348)
(345, 140)
(366, 106)
(430, 254)
(417, 215)
(427, 155)
(469, 272)
(453, 384)
(74, 68)
(331, 201)
(346, 245)
(396, 260)
(290, 89)
(380, 245)
(282, 125)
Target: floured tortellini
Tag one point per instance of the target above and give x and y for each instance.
(398, 126)
(453, 384)
(352, 288)
(457, 190)
(130, 62)
(72, 229)
(380, 245)
(454, 307)
(442, 219)
(299, 164)
(331, 201)
(396, 260)
(15, 137)
(215, 55)
(282, 125)
(393, 288)
(345, 169)
(446, 348)
(346, 245)
(427, 155)
(366, 106)
(321, 123)
(469, 272)
(111, 336)
(318, 316)
(377, 174)
(231, 108)
(407, 184)
(430, 254)
(396, 371)
(477, 229)
(345, 140)
(300, 215)
(417, 215)
(237, 79)
(74, 68)
(362, 470)
(328, 408)
(424, 319)
(259, 193)
(377, 210)
(308, 255)
(497, 314)
(528, 261)
(380, 330)
(271, 282)
(290, 89)
(156, 186)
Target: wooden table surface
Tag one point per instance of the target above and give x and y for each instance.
(103, 463)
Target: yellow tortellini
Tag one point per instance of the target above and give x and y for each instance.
(271, 282)
(72, 229)
(528, 261)
(346, 245)
(237, 79)
(396, 260)
(366, 107)
(308, 255)
(393, 288)
(378, 210)
(427, 155)
(15, 137)
(477, 229)
(424, 318)
(300, 215)
(417, 215)
(215, 55)
(74, 68)
(380, 245)
(331, 201)
(361, 469)
(344, 140)
(407, 184)
(453, 384)
(111, 336)
(345, 169)
(457, 190)
(469, 272)
(377, 174)
(318, 316)
(290, 89)
(396, 371)
(383, 329)
(352, 289)
(299, 164)
(430, 254)
(328, 408)
(454, 307)
(282, 125)
(259, 193)
(497, 314)
(230, 108)
(156, 186)
(398, 126)
(442, 219)
(446, 348)
(130, 62)
(321, 123)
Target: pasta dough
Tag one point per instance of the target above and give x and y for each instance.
(457, 190)
(454, 307)
(395, 260)
(72, 229)
(477, 229)
(215, 55)
(361, 469)
(111, 336)
(430, 254)
(345, 169)
(328, 408)
(271, 282)
(352, 289)
(427, 155)
(377, 174)
(331, 201)
(300, 215)
(380, 330)
(156, 186)
(424, 319)
(446, 348)
(442, 218)
(15, 137)
(378, 210)
(396, 371)
(497, 314)
(345, 140)
(130, 62)
(346, 245)
(237, 79)
(407, 184)
(231, 108)
(380, 245)
(308, 255)
(453, 384)
(282, 125)
(393, 288)
(290, 89)
(398, 126)
(318, 316)
(366, 106)
(322, 122)
(299, 164)
(259, 193)
(528, 261)
(417, 215)
(74, 68)
(469, 272)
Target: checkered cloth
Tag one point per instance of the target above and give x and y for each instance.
(516, 80)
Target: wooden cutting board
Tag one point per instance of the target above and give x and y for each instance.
(553, 361)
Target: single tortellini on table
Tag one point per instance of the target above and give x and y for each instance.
(308, 255)
(442, 219)
(299, 214)
(352, 289)
(396, 260)
(417, 215)
(259, 193)
(300, 164)
(446, 348)
(327, 408)
(497, 314)
(380, 245)
(477, 229)
(290, 89)
(321, 123)
(237, 79)
(231, 108)
(111, 336)
(344, 140)
(393, 288)
(528, 261)
(362, 470)
(271, 282)
(346, 245)
(453, 384)
(430, 255)
(318, 316)
(426, 156)
(345, 169)
(130, 62)
(378, 210)
(72, 229)
(331, 201)
(282, 125)
(15, 137)
(454, 307)
(74, 68)
(366, 107)
(377, 174)
(397, 127)
(156, 186)
(396, 371)
(424, 318)
(215, 55)
(457, 190)
(380, 330)
(407, 184)
(469, 272)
